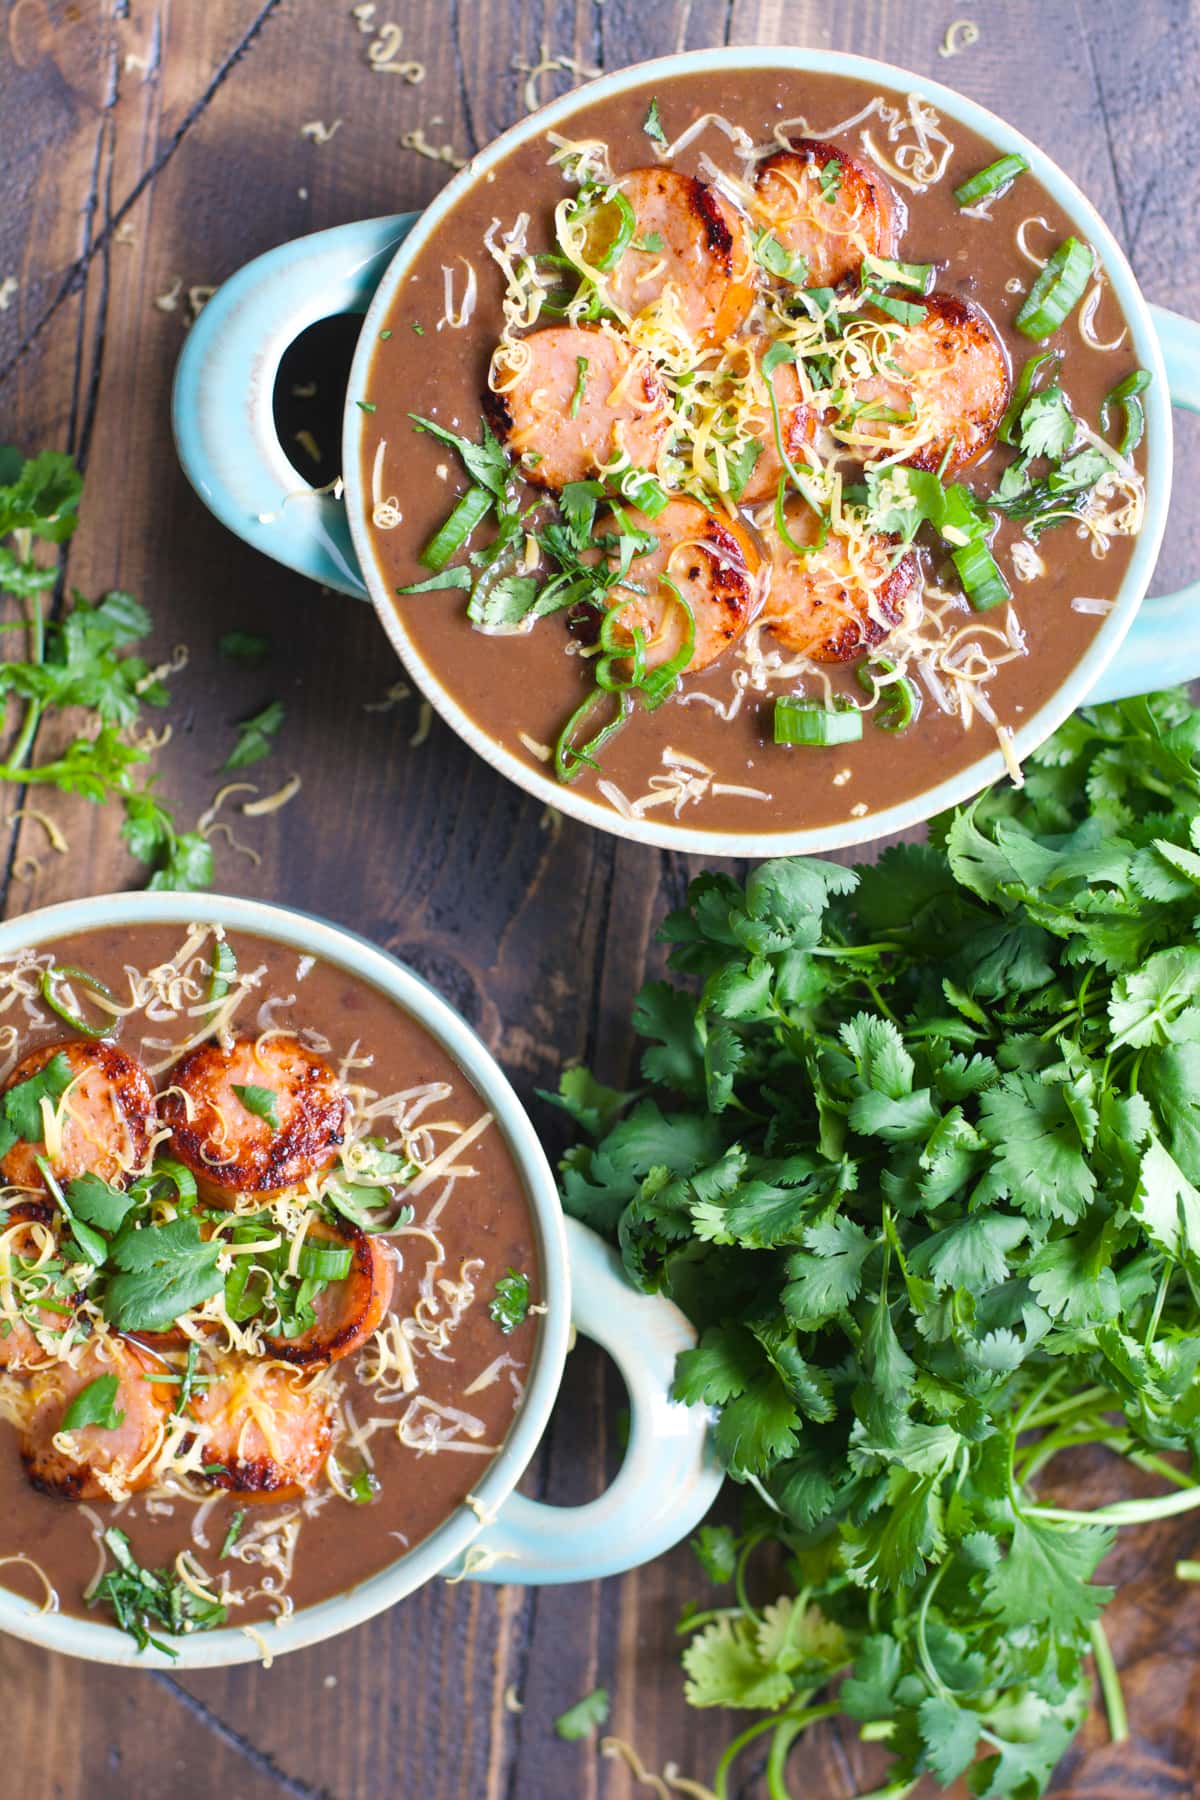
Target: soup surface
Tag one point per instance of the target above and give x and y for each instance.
(269, 1291)
(712, 418)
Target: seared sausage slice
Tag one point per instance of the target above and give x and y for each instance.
(953, 380)
(27, 1234)
(827, 205)
(581, 399)
(701, 252)
(711, 560)
(265, 1431)
(797, 422)
(97, 1464)
(107, 1116)
(233, 1148)
(348, 1311)
(839, 601)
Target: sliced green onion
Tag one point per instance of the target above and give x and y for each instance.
(788, 265)
(363, 1486)
(474, 506)
(1125, 395)
(785, 534)
(615, 240)
(68, 972)
(571, 758)
(1056, 291)
(997, 175)
(324, 1262)
(898, 701)
(979, 572)
(581, 375)
(896, 274)
(641, 489)
(661, 681)
(1008, 432)
(800, 721)
(224, 968)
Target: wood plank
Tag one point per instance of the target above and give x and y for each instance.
(545, 962)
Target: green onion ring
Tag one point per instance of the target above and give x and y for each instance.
(475, 505)
(980, 574)
(1057, 290)
(997, 175)
(1125, 395)
(809, 722)
(1008, 433)
(569, 762)
(68, 972)
(898, 701)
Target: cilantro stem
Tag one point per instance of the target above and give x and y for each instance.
(33, 710)
(1029, 1420)
(1122, 1512)
(800, 1721)
(1110, 1684)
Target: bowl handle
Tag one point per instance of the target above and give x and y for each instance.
(222, 407)
(670, 1474)
(1163, 646)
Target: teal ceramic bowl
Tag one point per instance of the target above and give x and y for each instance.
(669, 1476)
(227, 443)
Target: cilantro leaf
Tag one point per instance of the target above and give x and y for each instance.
(244, 647)
(1048, 1573)
(254, 737)
(509, 1305)
(582, 1719)
(163, 1271)
(94, 1405)
(261, 1101)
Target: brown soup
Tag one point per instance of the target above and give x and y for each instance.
(269, 1293)
(758, 392)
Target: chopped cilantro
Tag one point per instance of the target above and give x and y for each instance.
(830, 178)
(581, 379)
(509, 1305)
(244, 647)
(142, 1597)
(652, 125)
(583, 1719)
(161, 1272)
(234, 1531)
(94, 1405)
(261, 1101)
(22, 1110)
(254, 738)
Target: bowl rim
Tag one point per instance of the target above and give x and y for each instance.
(953, 789)
(312, 935)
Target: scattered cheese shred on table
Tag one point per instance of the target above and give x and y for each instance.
(547, 64)
(318, 131)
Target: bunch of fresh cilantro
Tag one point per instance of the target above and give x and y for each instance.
(81, 662)
(918, 1150)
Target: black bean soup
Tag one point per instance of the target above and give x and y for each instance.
(738, 449)
(269, 1293)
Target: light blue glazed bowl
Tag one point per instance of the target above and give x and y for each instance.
(225, 433)
(669, 1476)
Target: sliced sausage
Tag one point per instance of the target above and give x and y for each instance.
(582, 398)
(827, 205)
(264, 1430)
(713, 563)
(953, 381)
(27, 1236)
(797, 424)
(100, 1464)
(232, 1147)
(107, 1117)
(841, 600)
(348, 1311)
(701, 253)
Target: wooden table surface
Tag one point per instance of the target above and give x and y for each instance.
(152, 146)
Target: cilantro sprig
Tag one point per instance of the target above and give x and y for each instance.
(83, 660)
(918, 1150)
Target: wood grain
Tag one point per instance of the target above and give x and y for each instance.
(149, 141)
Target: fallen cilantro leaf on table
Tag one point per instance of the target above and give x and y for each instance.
(255, 737)
(583, 1719)
(82, 660)
(917, 1149)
